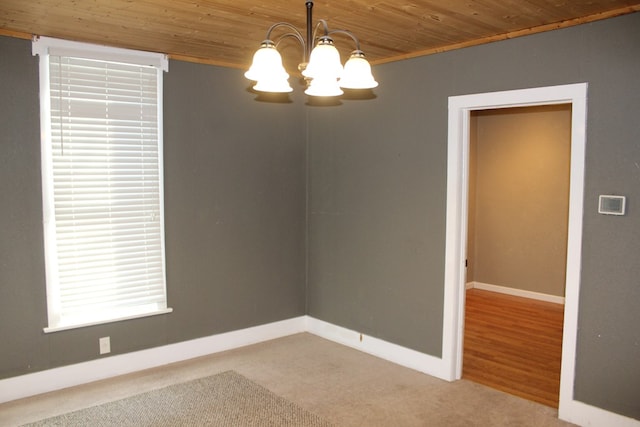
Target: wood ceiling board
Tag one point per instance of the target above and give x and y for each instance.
(227, 32)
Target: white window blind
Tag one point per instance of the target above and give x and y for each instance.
(103, 189)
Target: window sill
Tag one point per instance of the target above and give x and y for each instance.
(102, 322)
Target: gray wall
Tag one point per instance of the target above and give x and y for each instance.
(234, 216)
(378, 195)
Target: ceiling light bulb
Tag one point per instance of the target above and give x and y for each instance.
(277, 85)
(357, 73)
(267, 63)
(323, 86)
(267, 70)
(324, 60)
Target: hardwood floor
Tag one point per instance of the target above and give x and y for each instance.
(514, 345)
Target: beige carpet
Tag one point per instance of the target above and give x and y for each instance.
(342, 385)
(225, 399)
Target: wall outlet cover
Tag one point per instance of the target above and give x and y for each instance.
(105, 345)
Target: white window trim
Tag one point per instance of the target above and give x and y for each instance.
(50, 46)
(103, 322)
(43, 47)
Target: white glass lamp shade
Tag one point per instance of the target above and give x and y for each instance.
(267, 70)
(357, 73)
(324, 61)
(324, 86)
(276, 85)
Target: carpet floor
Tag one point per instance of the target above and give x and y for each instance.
(341, 385)
(225, 399)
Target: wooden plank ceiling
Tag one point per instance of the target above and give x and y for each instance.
(227, 32)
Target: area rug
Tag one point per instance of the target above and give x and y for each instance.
(225, 399)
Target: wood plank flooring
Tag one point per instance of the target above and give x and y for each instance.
(514, 345)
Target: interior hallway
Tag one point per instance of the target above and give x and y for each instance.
(342, 385)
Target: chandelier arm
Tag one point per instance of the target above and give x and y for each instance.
(298, 37)
(325, 28)
(350, 34)
(290, 26)
(295, 33)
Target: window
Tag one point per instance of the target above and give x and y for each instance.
(101, 121)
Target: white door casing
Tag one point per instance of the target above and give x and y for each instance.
(460, 108)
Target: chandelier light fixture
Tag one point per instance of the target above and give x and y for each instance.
(320, 66)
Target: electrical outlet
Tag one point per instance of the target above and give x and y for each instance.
(105, 345)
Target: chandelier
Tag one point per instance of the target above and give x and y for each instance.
(320, 66)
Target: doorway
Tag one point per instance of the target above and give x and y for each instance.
(518, 206)
(460, 108)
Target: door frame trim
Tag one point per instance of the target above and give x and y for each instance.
(460, 108)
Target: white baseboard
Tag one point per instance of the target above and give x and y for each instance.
(516, 292)
(590, 416)
(94, 370)
(383, 349)
(81, 373)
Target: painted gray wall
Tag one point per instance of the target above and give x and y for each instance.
(377, 188)
(377, 211)
(234, 216)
